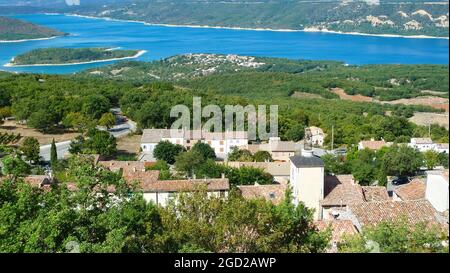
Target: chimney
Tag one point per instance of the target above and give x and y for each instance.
(223, 176)
(273, 142)
(194, 176)
(307, 153)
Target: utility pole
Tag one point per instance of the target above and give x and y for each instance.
(332, 138)
(429, 130)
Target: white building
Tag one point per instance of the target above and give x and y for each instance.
(307, 180)
(426, 144)
(423, 144)
(317, 136)
(437, 189)
(222, 143)
(442, 148)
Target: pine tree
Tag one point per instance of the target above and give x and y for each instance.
(53, 154)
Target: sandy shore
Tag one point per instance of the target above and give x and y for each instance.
(28, 40)
(308, 29)
(140, 53)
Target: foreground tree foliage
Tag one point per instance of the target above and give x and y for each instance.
(84, 216)
(212, 224)
(30, 149)
(167, 151)
(95, 142)
(397, 237)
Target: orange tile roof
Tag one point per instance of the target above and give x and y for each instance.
(341, 190)
(272, 193)
(373, 213)
(187, 185)
(339, 228)
(375, 193)
(414, 190)
(373, 144)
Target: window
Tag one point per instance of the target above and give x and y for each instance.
(221, 142)
(221, 150)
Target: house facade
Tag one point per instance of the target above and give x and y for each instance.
(437, 188)
(162, 192)
(423, 144)
(307, 180)
(222, 143)
(317, 136)
(278, 149)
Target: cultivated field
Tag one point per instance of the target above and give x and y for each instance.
(431, 118)
(432, 101)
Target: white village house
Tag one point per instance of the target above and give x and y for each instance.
(426, 144)
(317, 136)
(222, 143)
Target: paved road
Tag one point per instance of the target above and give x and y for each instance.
(62, 148)
(123, 128)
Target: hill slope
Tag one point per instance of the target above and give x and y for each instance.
(371, 16)
(13, 29)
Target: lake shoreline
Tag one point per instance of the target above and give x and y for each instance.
(139, 54)
(30, 40)
(307, 30)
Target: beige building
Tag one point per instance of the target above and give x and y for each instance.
(279, 170)
(278, 149)
(307, 181)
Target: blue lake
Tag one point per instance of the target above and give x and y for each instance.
(161, 42)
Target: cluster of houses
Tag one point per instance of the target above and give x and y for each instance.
(421, 144)
(338, 201)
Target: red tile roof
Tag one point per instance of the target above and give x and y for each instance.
(415, 190)
(339, 228)
(375, 193)
(272, 193)
(414, 212)
(373, 144)
(341, 190)
(187, 185)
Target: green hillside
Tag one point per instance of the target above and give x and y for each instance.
(13, 29)
(70, 55)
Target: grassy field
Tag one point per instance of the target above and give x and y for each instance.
(44, 139)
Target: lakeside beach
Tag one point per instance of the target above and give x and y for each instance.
(29, 40)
